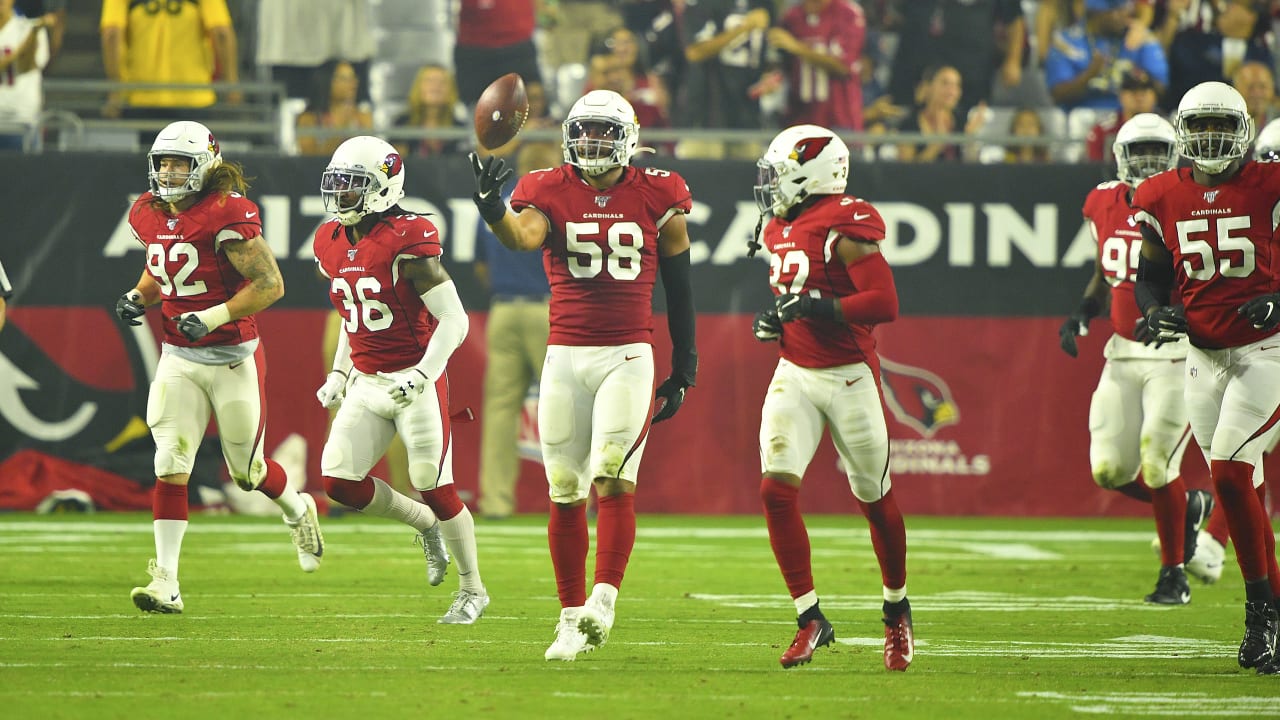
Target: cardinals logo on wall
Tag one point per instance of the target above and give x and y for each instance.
(917, 398)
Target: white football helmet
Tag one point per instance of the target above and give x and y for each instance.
(802, 160)
(1213, 151)
(186, 139)
(601, 132)
(366, 175)
(1144, 146)
(1267, 146)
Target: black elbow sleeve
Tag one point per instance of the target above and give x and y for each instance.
(1155, 281)
(680, 315)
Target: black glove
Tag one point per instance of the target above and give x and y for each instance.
(1263, 311)
(1075, 325)
(1167, 323)
(767, 326)
(191, 326)
(793, 307)
(129, 308)
(672, 392)
(490, 177)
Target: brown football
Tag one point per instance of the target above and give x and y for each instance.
(501, 111)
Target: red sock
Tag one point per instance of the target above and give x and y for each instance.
(276, 481)
(615, 536)
(889, 538)
(355, 494)
(443, 501)
(1247, 521)
(1137, 490)
(169, 501)
(787, 534)
(1217, 525)
(1269, 537)
(1169, 505)
(569, 541)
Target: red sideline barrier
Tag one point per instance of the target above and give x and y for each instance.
(987, 415)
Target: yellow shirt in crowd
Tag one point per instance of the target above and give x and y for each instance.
(167, 41)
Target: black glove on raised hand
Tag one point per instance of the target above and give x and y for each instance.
(129, 307)
(671, 391)
(1263, 311)
(1167, 323)
(491, 175)
(767, 326)
(793, 307)
(191, 326)
(1071, 328)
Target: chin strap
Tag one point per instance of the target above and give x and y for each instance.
(753, 245)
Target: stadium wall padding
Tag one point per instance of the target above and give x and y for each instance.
(988, 416)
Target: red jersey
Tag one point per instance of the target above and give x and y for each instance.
(601, 254)
(184, 255)
(1119, 245)
(386, 322)
(1223, 241)
(814, 95)
(495, 23)
(802, 259)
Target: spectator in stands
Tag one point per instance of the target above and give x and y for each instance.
(1215, 54)
(726, 54)
(982, 39)
(666, 38)
(574, 25)
(336, 110)
(24, 51)
(1026, 123)
(300, 42)
(938, 96)
(1052, 18)
(433, 104)
(516, 335)
(1166, 18)
(1257, 84)
(1137, 95)
(1087, 62)
(495, 37)
(615, 65)
(140, 44)
(823, 42)
(54, 14)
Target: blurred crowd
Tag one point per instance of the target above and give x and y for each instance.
(970, 80)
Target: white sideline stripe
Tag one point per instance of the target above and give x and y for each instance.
(1165, 704)
(266, 526)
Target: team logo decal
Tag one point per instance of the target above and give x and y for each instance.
(808, 149)
(602, 200)
(786, 231)
(213, 144)
(171, 223)
(917, 398)
(351, 254)
(391, 165)
(1211, 195)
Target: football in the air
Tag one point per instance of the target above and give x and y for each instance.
(501, 111)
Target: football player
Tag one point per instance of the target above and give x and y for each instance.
(1209, 235)
(832, 286)
(1137, 419)
(402, 320)
(210, 270)
(606, 229)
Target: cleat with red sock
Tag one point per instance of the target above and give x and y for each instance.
(811, 636)
(899, 637)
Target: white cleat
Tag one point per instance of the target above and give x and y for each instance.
(467, 607)
(1206, 564)
(570, 641)
(306, 535)
(161, 595)
(436, 553)
(596, 619)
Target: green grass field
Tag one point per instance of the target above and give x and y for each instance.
(1013, 618)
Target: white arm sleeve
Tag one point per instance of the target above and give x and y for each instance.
(443, 302)
(342, 355)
